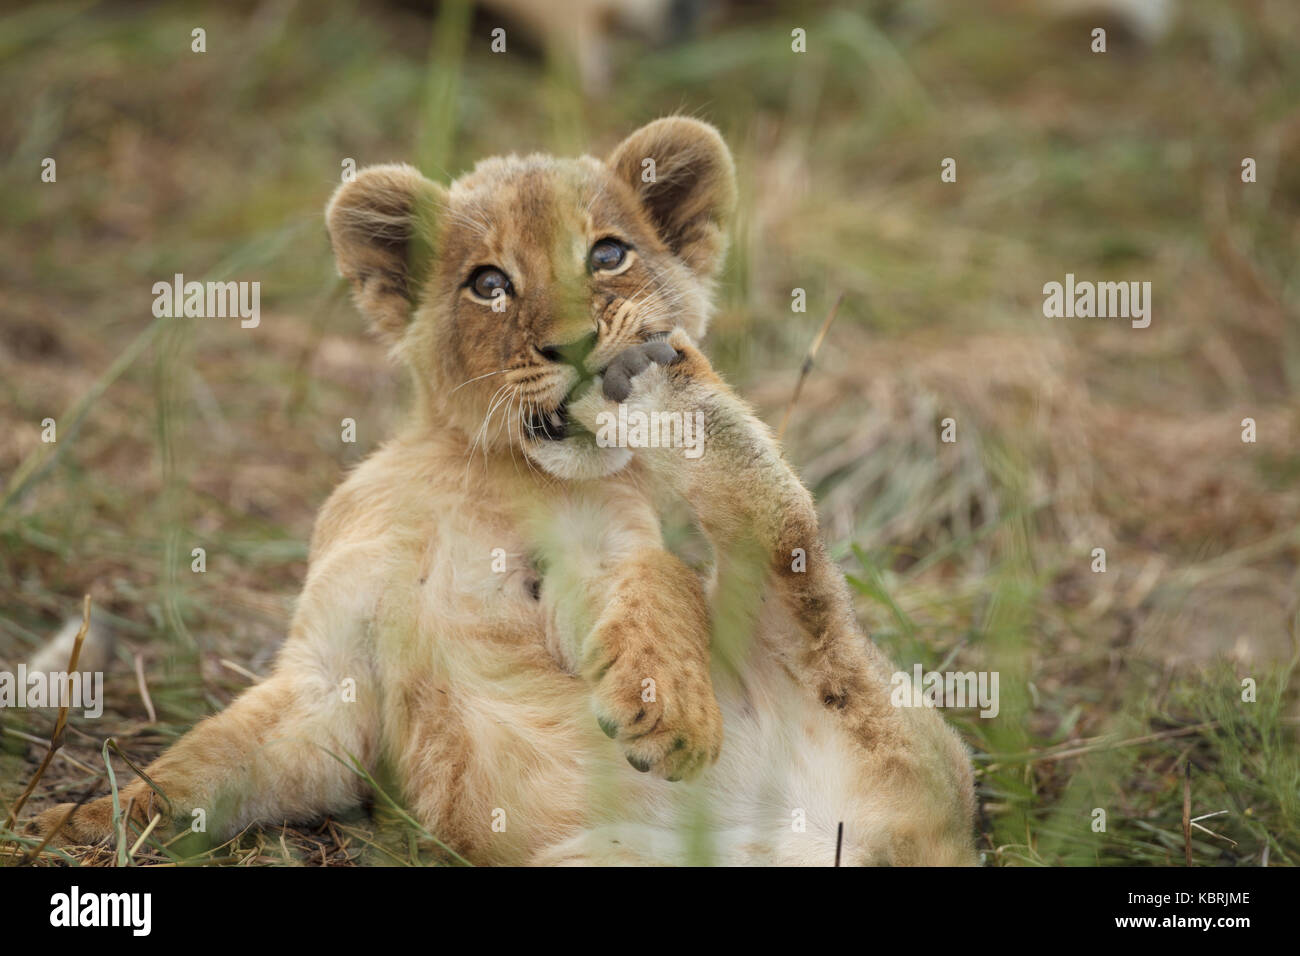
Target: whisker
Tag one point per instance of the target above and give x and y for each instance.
(476, 378)
(498, 396)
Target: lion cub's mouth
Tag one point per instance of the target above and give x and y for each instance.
(552, 425)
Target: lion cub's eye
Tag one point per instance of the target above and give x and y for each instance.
(608, 254)
(486, 280)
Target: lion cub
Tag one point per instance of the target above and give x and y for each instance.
(489, 598)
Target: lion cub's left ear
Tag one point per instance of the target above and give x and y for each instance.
(688, 190)
(382, 226)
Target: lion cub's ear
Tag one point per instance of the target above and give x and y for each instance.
(689, 191)
(382, 226)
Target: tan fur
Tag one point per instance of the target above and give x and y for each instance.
(486, 692)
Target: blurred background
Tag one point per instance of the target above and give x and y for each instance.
(1120, 690)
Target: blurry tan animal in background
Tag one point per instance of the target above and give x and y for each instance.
(581, 31)
(746, 698)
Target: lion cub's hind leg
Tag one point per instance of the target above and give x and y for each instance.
(277, 754)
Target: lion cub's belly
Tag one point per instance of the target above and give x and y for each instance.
(493, 743)
(497, 749)
(500, 756)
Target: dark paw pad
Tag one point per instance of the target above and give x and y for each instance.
(617, 381)
(642, 765)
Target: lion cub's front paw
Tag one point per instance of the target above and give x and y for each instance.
(616, 380)
(662, 713)
(627, 377)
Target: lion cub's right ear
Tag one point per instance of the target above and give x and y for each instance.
(382, 226)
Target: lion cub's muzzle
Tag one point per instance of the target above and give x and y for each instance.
(599, 353)
(553, 425)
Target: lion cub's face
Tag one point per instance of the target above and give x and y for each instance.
(508, 290)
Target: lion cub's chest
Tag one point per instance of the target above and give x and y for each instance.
(500, 587)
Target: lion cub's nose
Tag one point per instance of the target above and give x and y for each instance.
(570, 353)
